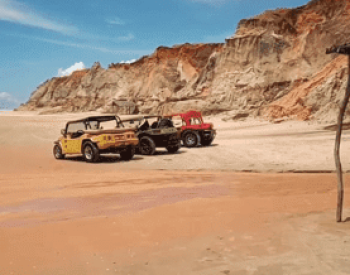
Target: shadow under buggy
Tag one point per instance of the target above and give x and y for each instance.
(153, 132)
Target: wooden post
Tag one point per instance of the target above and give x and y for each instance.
(340, 196)
(341, 49)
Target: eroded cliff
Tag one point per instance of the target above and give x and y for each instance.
(273, 66)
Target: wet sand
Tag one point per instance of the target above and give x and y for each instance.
(152, 216)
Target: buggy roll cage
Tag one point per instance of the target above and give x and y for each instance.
(99, 119)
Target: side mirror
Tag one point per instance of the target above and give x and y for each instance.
(80, 132)
(63, 132)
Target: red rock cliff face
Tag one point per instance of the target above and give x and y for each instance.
(272, 54)
(274, 66)
(154, 84)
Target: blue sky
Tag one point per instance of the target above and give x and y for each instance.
(41, 39)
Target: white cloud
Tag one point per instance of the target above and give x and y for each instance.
(76, 67)
(4, 95)
(18, 13)
(211, 2)
(115, 21)
(8, 97)
(7, 101)
(83, 46)
(128, 37)
(128, 61)
(75, 45)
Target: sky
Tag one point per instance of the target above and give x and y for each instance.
(41, 39)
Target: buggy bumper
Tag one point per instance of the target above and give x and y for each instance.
(115, 150)
(117, 145)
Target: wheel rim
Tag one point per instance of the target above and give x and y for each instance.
(57, 152)
(191, 139)
(88, 152)
(145, 146)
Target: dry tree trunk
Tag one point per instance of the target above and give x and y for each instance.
(336, 149)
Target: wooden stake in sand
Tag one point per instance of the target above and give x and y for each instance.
(342, 49)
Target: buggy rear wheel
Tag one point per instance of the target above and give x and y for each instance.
(191, 139)
(90, 152)
(147, 146)
(173, 149)
(128, 153)
(207, 142)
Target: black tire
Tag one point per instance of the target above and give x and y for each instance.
(128, 153)
(191, 139)
(173, 149)
(57, 152)
(207, 142)
(147, 146)
(90, 152)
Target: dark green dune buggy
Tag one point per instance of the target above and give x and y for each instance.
(153, 132)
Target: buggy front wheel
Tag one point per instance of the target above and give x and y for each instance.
(57, 152)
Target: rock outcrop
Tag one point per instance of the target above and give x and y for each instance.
(273, 66)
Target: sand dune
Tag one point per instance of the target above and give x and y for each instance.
(187, 213)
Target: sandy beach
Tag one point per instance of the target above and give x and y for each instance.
(194, 212)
